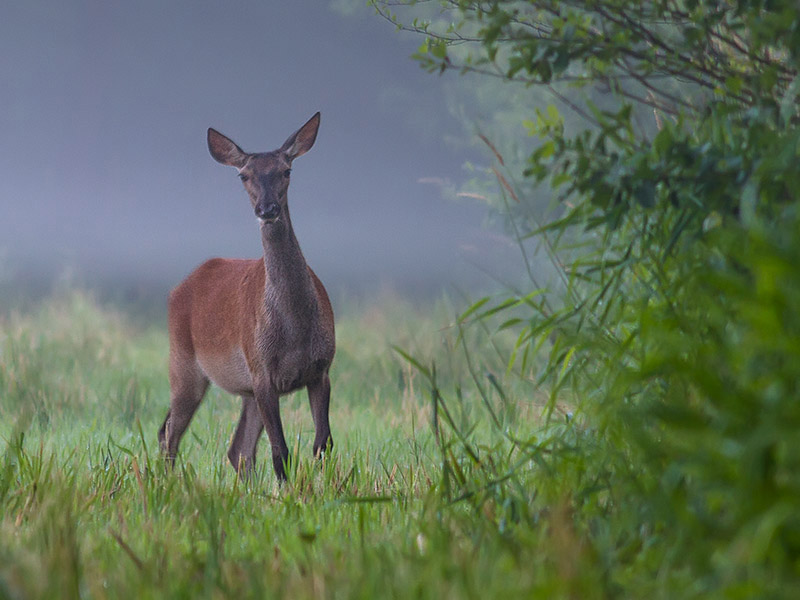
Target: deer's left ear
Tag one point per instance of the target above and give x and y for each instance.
(302, 140)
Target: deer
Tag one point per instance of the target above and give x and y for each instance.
(258, 328)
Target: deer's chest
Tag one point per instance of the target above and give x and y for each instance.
(294, 355)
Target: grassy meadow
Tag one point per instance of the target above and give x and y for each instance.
(87, 509)
(457, 472)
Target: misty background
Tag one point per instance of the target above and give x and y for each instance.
(105, 176)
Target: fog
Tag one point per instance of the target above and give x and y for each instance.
(104, 169)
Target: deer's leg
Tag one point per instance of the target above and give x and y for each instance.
(319, 397)
(187, 384)
(267, 400)
(162, 434)
(242, 452)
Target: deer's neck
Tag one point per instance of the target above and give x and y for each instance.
(289, 294)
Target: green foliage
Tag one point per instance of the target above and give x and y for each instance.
(671, 333)
(715, 393)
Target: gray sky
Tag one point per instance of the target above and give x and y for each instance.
(104, 165)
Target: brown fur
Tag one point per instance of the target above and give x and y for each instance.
(256, 328)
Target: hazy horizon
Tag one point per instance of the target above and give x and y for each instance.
(106, 173)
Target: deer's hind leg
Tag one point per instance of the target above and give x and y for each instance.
(188, 385)
(242, 452)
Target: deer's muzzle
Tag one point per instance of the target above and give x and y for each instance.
(268, 211)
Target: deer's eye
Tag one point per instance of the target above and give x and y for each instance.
(287, 172)
(244, 177)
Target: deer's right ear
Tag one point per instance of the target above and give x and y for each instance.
(224, 150)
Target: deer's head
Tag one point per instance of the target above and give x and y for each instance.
(265, 175)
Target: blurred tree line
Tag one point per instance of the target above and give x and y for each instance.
(661, 178)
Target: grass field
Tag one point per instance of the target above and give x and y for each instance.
(449, 478)
(87, 510)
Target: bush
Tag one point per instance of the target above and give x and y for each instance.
(674, 334)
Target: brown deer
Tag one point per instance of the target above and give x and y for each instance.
(257, 328)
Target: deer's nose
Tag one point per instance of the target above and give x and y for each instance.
(268, 211)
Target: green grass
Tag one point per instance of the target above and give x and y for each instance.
(86, 508)
(449, 478)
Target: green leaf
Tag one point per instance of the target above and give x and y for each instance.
(645, 194)
(472, 309)
(438, 49)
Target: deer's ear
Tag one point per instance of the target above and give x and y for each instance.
(301, 140)
(224, 150)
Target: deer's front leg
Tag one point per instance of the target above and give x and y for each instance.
(319, 396)
(267, 400)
